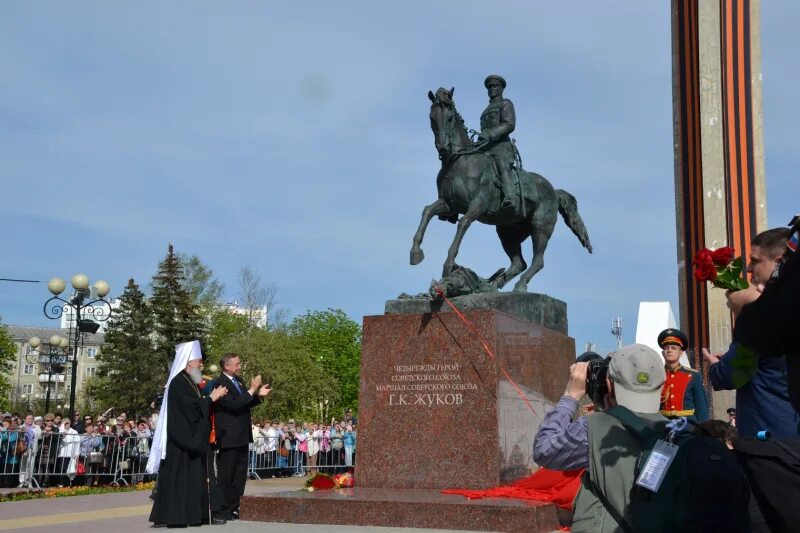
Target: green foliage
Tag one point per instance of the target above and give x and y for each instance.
(205, 290)
(129, 375)
(177, 317)
(8, 352)
(335, 342)
(730, 277)
(224, 328)
(298, 382)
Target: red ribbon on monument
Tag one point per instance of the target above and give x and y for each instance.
(486, 348)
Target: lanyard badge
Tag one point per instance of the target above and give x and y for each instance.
(657, 464)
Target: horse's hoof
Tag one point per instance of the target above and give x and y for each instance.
(417, 256)
(522, 288)
(498, 283)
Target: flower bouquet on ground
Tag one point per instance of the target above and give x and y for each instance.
(344, 480)
(320, 482)
(720, 267)
(327, 482)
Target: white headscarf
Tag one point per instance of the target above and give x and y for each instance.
(184, 352)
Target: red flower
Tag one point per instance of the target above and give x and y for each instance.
(723, 256)
(321, 482)
(704, 269)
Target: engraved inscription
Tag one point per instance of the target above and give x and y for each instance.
(427, 386)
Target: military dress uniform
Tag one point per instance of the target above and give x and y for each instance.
(683, 394)
(498, 120)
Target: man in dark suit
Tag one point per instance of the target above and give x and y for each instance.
(233, 426)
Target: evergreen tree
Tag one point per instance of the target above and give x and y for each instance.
(128, 377)
(177, 317)
(7, 355)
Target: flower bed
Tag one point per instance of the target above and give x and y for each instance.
(61, 492)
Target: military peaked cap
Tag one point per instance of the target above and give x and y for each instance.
(673, 336)
(491, 77)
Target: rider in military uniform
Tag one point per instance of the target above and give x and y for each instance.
(683, 393)
(497, 123)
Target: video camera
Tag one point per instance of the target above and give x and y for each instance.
(596, 386)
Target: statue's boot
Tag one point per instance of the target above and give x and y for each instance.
(534, 190)
(509, 196)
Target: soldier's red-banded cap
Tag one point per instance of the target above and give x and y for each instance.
(673, 336)
(494, 77)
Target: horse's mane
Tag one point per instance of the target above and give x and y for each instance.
(443, 98)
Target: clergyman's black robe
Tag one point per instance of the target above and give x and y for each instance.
(182, 497)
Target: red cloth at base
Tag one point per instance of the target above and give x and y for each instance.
(544, 485)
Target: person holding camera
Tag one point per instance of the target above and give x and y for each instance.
(683, 394)
(634, 377)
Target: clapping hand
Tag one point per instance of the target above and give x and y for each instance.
(255, 383)
(711, 358)
(264, 390)
(218, 393)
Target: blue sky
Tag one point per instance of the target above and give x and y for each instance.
(294, 138)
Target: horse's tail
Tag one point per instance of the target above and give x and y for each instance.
(568, 207)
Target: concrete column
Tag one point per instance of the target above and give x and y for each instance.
(756, 78)
(719, 153)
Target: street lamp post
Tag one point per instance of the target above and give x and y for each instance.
(97, 307)
(55, 359)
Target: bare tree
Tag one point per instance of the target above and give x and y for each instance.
(256, 297)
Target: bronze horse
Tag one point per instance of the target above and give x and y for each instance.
(467, 186)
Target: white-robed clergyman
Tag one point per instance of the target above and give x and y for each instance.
(180, 444)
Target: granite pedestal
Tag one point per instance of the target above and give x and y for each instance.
(540, 309)
(400, 507)
(437, 412)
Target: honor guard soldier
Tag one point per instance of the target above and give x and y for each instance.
(683, 394)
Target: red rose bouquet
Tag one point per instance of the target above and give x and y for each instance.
(720, 267)
(320, 482)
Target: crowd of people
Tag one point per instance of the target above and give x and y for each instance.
(101, 449)
(52, 450)
(206, 442)
(651, 458)
(298, 449)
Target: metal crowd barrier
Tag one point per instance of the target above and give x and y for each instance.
(72, 459)
(283, 456)
(83, 459)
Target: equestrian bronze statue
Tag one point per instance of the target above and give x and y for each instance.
(484, 181)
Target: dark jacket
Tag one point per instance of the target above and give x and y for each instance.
(232, 414)
(762, 392)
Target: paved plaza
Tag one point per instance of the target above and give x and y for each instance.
(128, 512)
